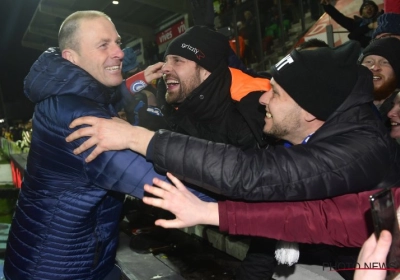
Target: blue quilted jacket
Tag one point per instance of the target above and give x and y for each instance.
(66, 222)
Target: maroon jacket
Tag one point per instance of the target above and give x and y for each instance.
(343, 221)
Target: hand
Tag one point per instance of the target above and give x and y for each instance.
(188, 209)
(153, 72)
(109, 134)
(373, 25)
(373, 252)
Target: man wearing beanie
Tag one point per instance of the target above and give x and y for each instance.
(382, 58)
(388, 25)
(340, 145)
(360, 28)
(201, 96)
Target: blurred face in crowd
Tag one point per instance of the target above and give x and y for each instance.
(99, 51)
(368, 11)
(181, 76)
(383, 76)
(394, 116)
(283, 118)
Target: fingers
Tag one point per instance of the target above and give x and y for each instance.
(93, 155)
(86, 145)
(153, 72)
(178, 184)
(83, 120)
(157, 191)
(169, 223)
(383, 245)
(84, 131)
(152, 201)
(368, 247)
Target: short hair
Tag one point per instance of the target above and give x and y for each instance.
(68, 34)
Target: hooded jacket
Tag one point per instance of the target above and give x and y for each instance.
(66, 220)
(351, 152)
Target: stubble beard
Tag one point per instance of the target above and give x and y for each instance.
(185, 89)
(287, 126)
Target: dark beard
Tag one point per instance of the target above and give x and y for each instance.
(385, 90)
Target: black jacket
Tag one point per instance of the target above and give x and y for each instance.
(211, 113)
(351, 152)
(357, 26)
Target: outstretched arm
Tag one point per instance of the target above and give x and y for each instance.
(339, 221)
(109, 134)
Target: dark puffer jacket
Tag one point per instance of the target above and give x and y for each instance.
(224, 108)
(351, 152)
(67, 216)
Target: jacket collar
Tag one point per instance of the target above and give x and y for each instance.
(52, 75)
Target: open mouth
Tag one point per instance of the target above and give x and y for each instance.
(171, 83)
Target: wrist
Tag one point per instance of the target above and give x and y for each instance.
(211, 216)
(139, 139)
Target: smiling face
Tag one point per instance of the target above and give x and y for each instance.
(383, 76)
(99, 52)
(283, 118)
(181, 76)
(394, 116)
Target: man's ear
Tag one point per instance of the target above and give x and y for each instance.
(69, 55)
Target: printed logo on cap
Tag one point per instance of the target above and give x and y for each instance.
(138, 86)
(199, 54)
(284, 61)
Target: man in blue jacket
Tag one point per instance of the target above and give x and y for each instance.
(66, 221)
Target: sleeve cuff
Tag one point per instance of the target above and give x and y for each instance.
(150, 149)
(223, 217)
(136, 82)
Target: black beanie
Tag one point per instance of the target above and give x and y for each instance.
(319, 80)
(202, 45)
(388, 48)
(388, 23)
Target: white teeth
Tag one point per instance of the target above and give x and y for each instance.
(394, 123)
(268, 115)
(171, 82)
(113, 68)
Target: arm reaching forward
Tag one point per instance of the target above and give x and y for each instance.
(109, 134)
